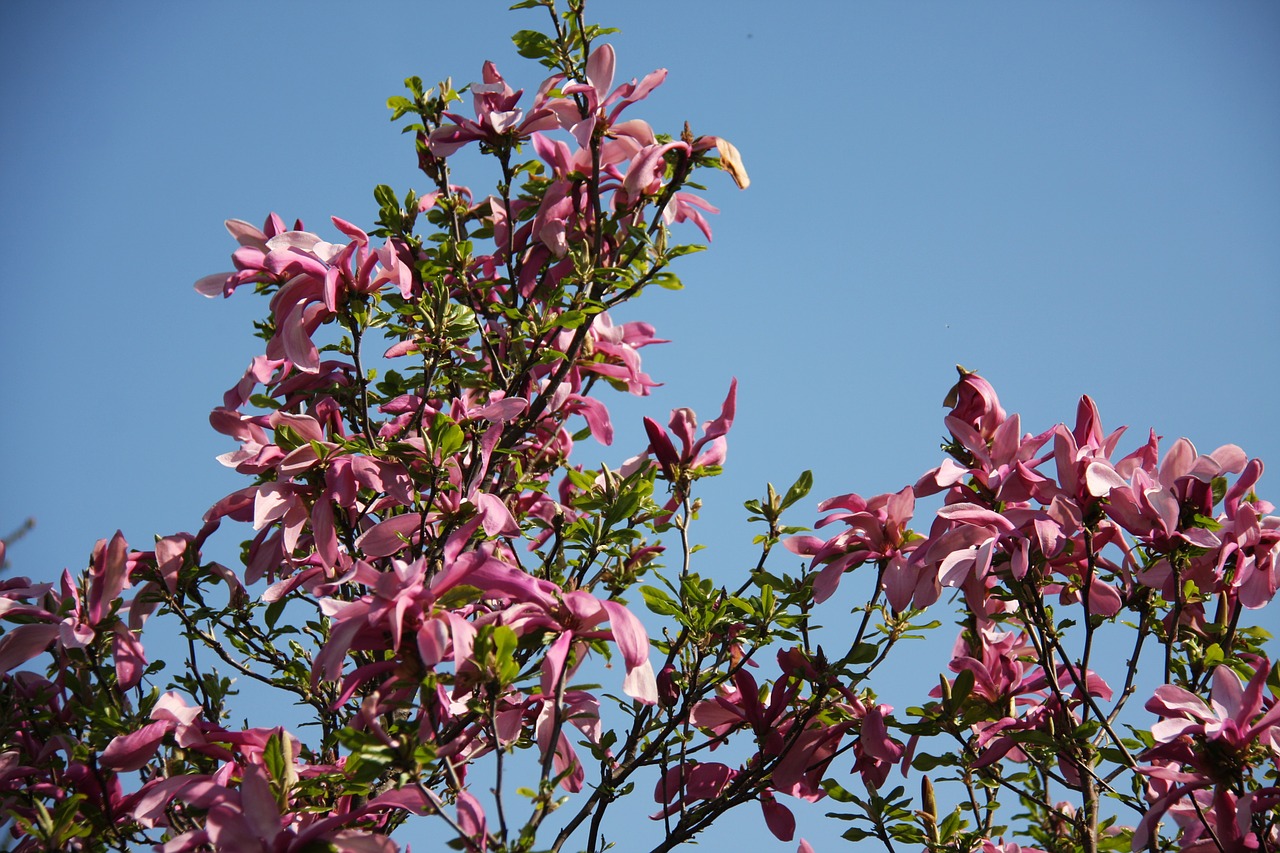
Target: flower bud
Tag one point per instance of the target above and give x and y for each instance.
(668, 690)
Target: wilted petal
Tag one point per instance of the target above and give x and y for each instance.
(731, 162)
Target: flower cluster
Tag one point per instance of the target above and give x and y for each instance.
(1035, 526)
(452, 597)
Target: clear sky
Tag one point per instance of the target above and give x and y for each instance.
(1071, 198)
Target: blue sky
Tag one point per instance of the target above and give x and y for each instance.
(1070, 198)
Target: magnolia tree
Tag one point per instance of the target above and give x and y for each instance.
(433, 579)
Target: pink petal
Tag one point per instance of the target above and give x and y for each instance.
(391, 536)
(258, 803)
(779, 819)
(1100, 478)
(503, 410)
(110, 576)
(171, 706)
(352, 231)
(213, 285)
(133, 751)
(130, 659)
(245, 234)
(496, 518)
(600, 67)
(553, 663)
(597, 417)
(641, 684)
(1170, 700)
(633, 641)
(471, 820)
(23, 643)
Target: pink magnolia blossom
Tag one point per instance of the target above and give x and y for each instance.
(498, 118)
(134, 750)
(973, 402)
(877, 530)
(1236, 715)
(598, 117)
(694, 453)
(1203, 745)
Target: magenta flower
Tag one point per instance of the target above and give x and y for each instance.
(974, 403)
(1202, 745)
(498, 120)
(248, 259)
(695, 453)
(877, 530)
(599, 117)
(134, 750)
(1236, 716)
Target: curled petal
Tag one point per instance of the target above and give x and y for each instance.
(633, 642)
(731, 162)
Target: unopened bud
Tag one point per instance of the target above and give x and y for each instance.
(929, 814)
(668, 690)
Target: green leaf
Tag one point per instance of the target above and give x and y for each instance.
(863, 653)
(399, 106)
(385, 196)
(570, 320)
(798, 489)
(1219, 487)
(677, 251)
(659, 602)
(836, 792)
(952, 824)
(274, 609)
(273, 755)
(960, 689)
(532, 44)
(446, 436)
(925, 762)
